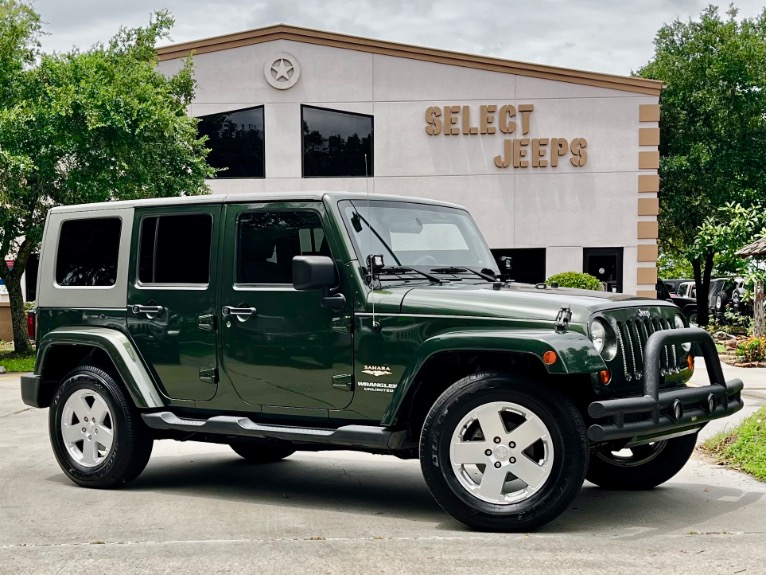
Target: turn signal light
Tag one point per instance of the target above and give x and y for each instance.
(549, 357)
(605, 377)
(690, 362)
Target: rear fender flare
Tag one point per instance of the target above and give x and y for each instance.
(121, 352)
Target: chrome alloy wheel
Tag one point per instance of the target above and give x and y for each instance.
(87, 428)
(501, 452)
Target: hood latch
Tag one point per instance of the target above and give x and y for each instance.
(562, 320)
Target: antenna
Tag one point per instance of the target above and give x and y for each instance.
(371, 295)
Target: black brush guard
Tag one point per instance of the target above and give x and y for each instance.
(671, 410)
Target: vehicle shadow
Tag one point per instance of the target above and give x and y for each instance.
(390, 488)
(394, 488)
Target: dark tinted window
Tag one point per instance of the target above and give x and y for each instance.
(236, 143)
(175, 249)
(335, 143)
(527, 264)
(87, 252)
(268, 241)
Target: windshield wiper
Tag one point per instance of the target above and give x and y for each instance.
(457, 270)
(399, 270)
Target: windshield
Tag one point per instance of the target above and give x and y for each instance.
(416, 235)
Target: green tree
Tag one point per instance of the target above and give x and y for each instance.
(86, 126)
(713, 130)
(733, 227)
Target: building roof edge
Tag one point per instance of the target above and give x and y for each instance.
(344, 41)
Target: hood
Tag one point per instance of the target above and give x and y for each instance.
(516, 301)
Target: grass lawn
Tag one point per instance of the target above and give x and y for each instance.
(12, 361)
(744, 447)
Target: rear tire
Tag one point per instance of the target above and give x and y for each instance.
(255, 451)
(646, 467)
(503, 454)
(96, 433)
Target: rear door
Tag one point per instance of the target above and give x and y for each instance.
(171, 297)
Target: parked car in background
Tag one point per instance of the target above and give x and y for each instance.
(687, 305)
(720, 295)
(687, 289)
(739, 302)
(672, 285)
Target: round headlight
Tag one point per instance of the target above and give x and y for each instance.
(679, 324)
(603, 339)
(598, 335)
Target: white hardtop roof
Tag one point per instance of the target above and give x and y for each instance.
(245, 198)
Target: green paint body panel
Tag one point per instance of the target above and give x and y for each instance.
(286, 353)
(172, 344)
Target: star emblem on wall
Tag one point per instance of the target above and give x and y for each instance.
(282, 71)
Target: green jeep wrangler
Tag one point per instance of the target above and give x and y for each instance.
(316, 321)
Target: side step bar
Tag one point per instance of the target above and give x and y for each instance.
(354, 436)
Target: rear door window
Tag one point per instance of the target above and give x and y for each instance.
(175, 249)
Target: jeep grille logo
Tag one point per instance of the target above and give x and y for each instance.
(643, 313)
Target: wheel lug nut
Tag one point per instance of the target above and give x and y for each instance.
(488, 452)
(512, 460)
(498, 464)
(512, 444)
(497, 440)
(83, 430)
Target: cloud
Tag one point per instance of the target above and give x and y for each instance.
(611, 37)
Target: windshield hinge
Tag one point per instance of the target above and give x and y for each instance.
(562, 320)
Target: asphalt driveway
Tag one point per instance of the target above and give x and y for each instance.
(201, 509)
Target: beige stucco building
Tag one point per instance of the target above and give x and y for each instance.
(558, 166)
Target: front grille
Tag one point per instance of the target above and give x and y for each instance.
(632, 335)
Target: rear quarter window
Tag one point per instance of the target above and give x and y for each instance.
(88, 252)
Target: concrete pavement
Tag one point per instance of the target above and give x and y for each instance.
(201, 509)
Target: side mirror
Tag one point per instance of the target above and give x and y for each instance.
(314, 272)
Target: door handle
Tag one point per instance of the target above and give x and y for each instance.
(241, 313)
(149, 310)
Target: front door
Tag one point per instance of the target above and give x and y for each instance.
(171, 297)
(281, 347)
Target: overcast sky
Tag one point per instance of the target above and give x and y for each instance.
(612, 36)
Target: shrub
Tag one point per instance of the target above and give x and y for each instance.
(752, 349)
(576, 280)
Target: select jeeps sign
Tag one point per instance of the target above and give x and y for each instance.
(519, 152)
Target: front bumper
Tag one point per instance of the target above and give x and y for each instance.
(30, 389)
(671, 411)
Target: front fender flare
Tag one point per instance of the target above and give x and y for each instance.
(120, 350)
(575, 354)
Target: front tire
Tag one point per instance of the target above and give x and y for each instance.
(96, 433)
(503, 454)
(641, 467)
